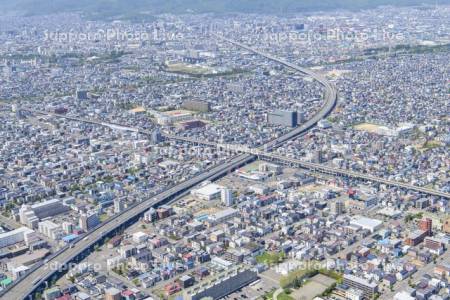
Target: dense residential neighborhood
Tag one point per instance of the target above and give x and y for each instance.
(237, 156)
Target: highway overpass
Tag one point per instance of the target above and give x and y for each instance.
(348, 173)
(329, 95)
(41, 274)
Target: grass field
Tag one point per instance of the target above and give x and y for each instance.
(429, 145)
(282, 296)
(189, 69)
(270, 258)
(103, 217)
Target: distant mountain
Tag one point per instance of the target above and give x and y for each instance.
(131, 8)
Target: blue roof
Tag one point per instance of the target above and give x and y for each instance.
(384, 242)
(202, 217)
(69, 238)
(371, 256)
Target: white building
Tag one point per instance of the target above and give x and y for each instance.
(67, 227)
(354, 294)
(207, 192)
(405, 129)
(140, 237)
(224, 215)
(50, 229)
(115, 261)
(30, 215)
(366, 223)
(49, 208)
(403, 296)
(150, 215)
(227, 197)
(118, 205)
(19, 272)
(22, 234)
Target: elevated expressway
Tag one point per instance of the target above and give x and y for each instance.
(329, 96)
(43, 273)
(57, 263)
(348, 173)
(263, 152)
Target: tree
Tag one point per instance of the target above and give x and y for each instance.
(329, 290)
(136, 281)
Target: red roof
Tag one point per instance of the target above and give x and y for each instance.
(266, 198)
(127, 293)
(187, 256)
(351, 191)
(172, 288)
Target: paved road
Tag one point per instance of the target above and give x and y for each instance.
(358, 175)
(41, 273)
(38, 275)
(343, 253)
(261, 151)
(428, 269)
(277, 293)
(330, 95)
(330, 98)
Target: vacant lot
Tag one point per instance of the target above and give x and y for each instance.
(315, 286)
(372, 128)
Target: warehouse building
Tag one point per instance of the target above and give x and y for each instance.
(221, 285)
